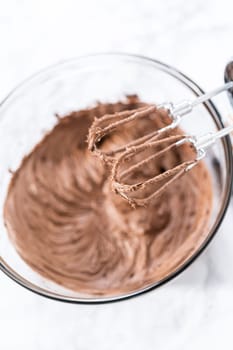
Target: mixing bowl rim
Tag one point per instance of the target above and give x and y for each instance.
(212, 110)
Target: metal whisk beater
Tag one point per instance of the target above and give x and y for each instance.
(157, 184)
(157, 142)
(112, 122)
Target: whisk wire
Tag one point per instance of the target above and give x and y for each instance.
(153, 140)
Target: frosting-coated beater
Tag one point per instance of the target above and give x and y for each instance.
(156, 144)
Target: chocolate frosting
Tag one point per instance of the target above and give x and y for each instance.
(68, 225)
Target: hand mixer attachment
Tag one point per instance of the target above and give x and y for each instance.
(142, 192)
(101, 127)
(135, 177)
(109, 123)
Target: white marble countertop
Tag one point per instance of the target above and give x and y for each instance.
(194, 311)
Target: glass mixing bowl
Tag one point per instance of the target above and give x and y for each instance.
(28, 112)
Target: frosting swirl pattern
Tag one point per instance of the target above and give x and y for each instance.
(69, 226)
